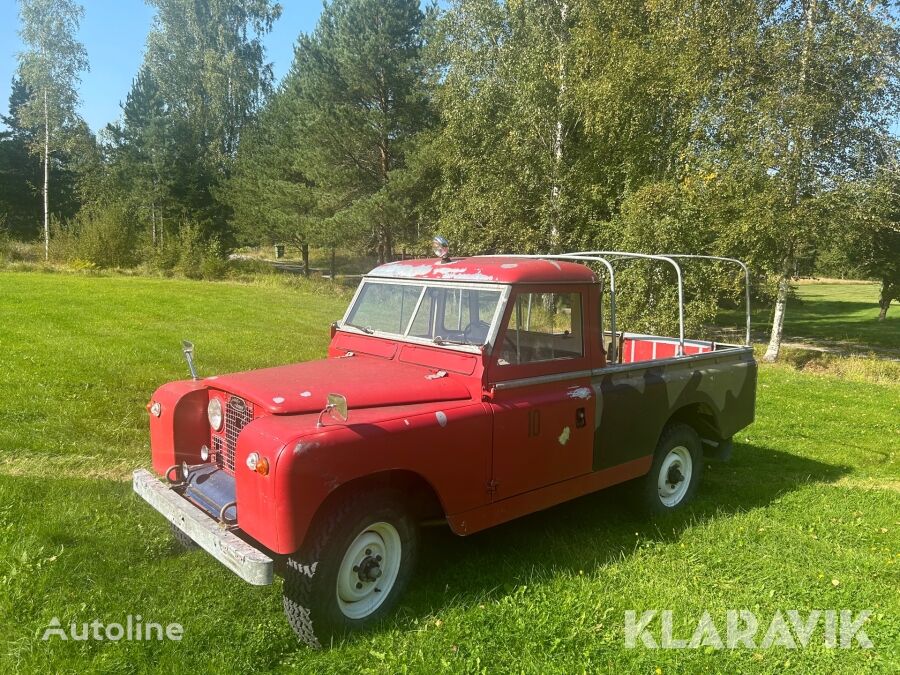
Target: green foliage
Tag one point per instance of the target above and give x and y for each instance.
(203, 80)
(99, 237)
(51, 64)
(193, 255)
(755, 130)
(358, 100)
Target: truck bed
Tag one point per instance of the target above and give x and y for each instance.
(713, 386)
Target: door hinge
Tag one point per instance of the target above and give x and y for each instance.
(492, 486)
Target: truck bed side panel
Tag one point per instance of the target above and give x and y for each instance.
(634, 402)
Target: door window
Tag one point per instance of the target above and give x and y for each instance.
(543, 327)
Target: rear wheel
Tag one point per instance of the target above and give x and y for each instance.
(356, 565)
(676, 470)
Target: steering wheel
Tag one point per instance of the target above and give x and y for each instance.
(478, 324)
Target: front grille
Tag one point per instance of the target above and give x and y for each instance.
(238, 414)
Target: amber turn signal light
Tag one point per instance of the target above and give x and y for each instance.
(262, 466)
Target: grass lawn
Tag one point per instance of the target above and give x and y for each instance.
(806, 516)
(830, 313)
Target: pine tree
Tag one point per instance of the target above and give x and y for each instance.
(359, 82)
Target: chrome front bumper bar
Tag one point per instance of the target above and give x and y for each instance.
(249, 563)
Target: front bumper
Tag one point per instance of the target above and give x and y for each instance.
(248, 562)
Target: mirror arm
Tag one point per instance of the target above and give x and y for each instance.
(327, 408)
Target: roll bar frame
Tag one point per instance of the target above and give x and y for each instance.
(603, 257)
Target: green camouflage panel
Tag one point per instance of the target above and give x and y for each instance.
(716, 392)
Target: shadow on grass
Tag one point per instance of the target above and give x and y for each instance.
(595, 530)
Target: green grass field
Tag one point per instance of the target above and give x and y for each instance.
(839, 314)
(806, 516)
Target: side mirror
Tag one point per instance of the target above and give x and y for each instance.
(336, 407)
(188, 349)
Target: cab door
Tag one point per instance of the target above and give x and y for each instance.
(541, 396)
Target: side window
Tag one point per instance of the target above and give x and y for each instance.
(543, 327)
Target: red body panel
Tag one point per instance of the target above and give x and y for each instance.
(181, 429)
(304, 387)
(489, 269)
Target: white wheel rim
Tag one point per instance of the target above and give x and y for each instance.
(369, 570)
(675, 476)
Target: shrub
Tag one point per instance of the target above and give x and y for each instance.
(97, 238)
(13, 251)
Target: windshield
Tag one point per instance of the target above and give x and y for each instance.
(445, 314)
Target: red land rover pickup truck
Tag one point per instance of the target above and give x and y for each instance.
(473, 390)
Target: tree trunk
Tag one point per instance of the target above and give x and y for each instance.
(153, 223)
(304, 252)
(333, 266)
(888, 292)
(784, 287)
(559, 131)
(388, 244)
(46, 178)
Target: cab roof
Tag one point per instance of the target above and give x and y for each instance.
(487, 269)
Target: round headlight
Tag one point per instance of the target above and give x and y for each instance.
(204, 453)
(214, 412)
(252, 460)
(156, 409)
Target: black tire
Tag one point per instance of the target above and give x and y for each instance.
(182, 539)
(310, 594)
(674, 437)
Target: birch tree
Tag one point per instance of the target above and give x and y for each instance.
(803, 106)
(50, 67)
(510, 145)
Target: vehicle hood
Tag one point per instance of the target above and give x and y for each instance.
(366, 382)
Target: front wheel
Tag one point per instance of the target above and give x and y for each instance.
(676, 470)
(357, 563)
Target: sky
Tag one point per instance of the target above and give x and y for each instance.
(114, 33)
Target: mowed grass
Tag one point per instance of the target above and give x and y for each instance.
(805, 516)
(845, 313)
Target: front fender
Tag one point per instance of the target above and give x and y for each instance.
(449, 448)
(182, 427)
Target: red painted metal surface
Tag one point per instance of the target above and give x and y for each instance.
(500, 512)
(364, 380)
(488, 269)
(182, 428)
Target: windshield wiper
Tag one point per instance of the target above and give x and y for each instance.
(365, 329)
(438, 340)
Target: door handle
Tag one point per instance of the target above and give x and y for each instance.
(580, 418)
